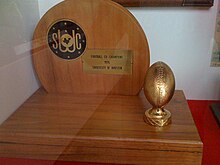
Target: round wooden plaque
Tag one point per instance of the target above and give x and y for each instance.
(79, 47)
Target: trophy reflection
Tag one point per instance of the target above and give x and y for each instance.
(159, 88)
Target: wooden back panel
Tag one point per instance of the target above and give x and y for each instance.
(107, 26)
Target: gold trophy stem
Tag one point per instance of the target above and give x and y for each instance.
(157, 117)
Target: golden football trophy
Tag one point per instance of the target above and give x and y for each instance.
(159, 88)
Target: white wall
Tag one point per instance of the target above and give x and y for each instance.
(17, 78)
(183, 38)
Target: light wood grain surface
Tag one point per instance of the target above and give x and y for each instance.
(99, 128)
(107, 26)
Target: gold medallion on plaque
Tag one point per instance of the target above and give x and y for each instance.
(66, 39)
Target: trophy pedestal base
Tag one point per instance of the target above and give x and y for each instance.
(99, 128)
(158, 121)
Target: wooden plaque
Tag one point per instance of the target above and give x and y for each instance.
(72, 29)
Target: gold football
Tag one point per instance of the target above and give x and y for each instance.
(159, 84)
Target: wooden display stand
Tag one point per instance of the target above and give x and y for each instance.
(91, 59)
(99, 128)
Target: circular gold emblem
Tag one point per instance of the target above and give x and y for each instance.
(66, 39)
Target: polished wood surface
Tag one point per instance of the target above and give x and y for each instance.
(99, 128)
(107, 26)
(167, 3)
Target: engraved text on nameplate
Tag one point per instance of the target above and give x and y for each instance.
(108, 61)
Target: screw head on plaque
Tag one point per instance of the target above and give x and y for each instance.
(159, 88)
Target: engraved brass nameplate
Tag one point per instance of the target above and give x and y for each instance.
(108, 61)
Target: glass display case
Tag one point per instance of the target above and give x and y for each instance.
(78, 95)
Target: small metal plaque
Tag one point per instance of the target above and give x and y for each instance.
(108, 61)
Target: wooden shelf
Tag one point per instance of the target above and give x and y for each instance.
(99, 128)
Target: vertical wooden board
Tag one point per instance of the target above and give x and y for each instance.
(107, 26)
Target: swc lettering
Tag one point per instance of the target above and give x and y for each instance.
(67, 42)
